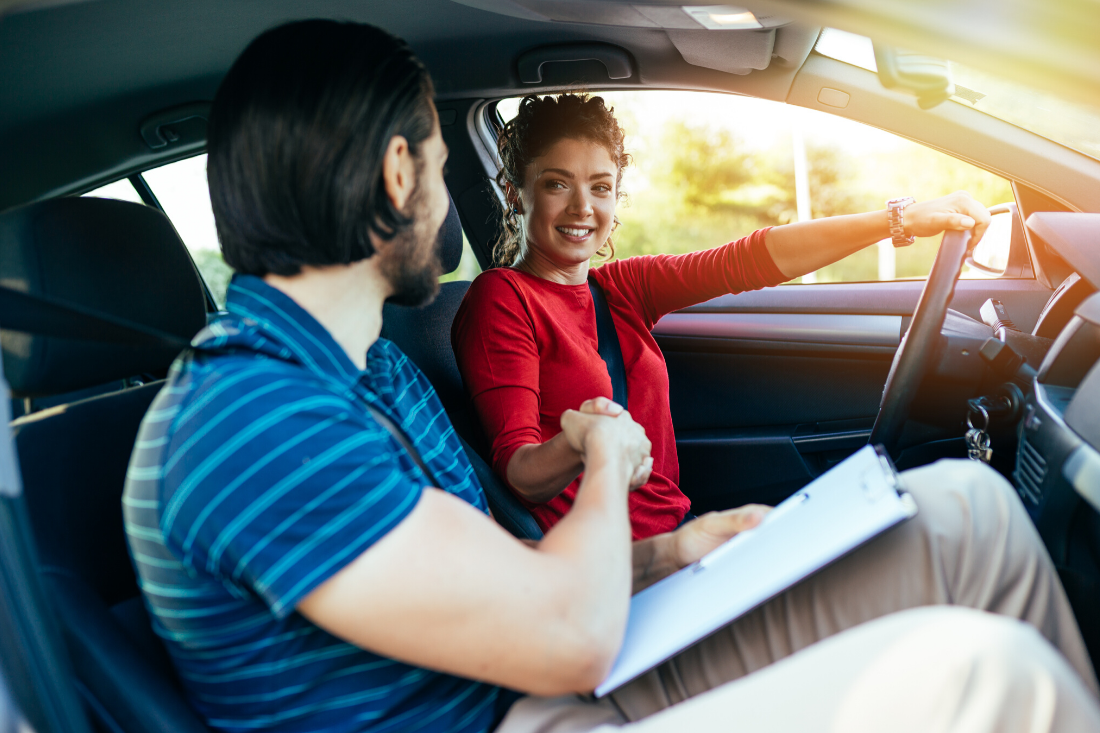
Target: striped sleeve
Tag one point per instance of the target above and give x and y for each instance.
(307, 481)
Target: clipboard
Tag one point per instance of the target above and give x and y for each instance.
(853, 502)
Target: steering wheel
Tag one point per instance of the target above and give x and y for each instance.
(917, 349)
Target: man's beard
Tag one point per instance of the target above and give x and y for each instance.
(411, 261)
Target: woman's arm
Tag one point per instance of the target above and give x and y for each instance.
(540, 471)
(810, 245)
(661, 284)
(660, 556)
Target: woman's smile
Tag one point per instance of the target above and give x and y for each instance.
(567, 207)
(576, 234)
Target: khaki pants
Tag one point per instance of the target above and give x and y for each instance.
(934, 669)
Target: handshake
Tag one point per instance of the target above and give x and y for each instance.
(601, 430)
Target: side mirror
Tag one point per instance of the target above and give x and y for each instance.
(1003, 250)
(926, 77)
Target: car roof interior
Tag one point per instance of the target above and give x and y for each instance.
(79, 79)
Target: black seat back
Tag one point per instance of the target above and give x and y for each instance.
(124, 260)
(424, 334)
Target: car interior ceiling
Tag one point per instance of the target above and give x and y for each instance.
(79, 80)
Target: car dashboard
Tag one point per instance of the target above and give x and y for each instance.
(1057, 470)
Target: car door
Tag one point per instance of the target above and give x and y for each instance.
(770, 388)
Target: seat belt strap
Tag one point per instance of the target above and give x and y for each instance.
(608, 344)
(42, 316)
(403, 440)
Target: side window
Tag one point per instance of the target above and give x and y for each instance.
(122, 190)
(182, 192)
(711, 168)
(180, 188)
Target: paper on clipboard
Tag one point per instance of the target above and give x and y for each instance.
(855, 501)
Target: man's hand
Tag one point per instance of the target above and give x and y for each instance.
(602, 427)
(610, 408)
(957, 211)
(701, 535)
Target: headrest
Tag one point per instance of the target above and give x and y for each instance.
(450, 240)
(113, 257)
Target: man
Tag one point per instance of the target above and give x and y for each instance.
(304, 573)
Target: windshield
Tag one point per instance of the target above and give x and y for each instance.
(1074, 125)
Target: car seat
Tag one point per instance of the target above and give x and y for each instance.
(123, 260)
(424, 334)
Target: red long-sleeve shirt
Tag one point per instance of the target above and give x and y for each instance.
(527, 350)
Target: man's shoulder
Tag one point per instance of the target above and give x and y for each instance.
(209, 384)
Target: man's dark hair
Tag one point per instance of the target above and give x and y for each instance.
(296, 138)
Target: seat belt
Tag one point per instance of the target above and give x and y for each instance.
(608, 344)
(403, 440)
(42, 316)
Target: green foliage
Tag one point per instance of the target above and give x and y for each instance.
(217, 274)
(467, 268)
(214, 271)
(696, 185)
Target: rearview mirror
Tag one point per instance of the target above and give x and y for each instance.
(924, 76)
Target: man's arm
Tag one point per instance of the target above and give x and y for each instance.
(448, 589)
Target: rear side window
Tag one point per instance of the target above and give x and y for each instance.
(182, 192)
(180, 189)
(122, 190)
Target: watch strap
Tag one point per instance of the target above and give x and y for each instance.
(896, 217)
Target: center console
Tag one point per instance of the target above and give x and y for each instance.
(1057, 461)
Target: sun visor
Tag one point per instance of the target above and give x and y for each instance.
(734, 52)
(669, 15)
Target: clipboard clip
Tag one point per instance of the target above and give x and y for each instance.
(888, 469)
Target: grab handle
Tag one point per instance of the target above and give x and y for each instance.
(615, 60)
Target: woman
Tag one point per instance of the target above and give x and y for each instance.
(525, 335)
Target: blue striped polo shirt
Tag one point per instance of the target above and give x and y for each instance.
(258, 474)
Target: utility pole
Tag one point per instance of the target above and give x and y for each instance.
(801, 183)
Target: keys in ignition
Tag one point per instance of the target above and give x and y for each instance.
(979, 446)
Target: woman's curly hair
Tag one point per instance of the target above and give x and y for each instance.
(541, 122)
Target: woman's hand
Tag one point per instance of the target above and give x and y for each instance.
(659, 556)
(957, 211)
(538, 472)
(604, 406)
(593, 432)
(701, 535)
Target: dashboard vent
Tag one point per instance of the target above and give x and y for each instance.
(1031, 469)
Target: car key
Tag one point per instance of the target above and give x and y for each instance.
(979, 446)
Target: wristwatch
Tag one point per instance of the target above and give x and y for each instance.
(894, 209)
